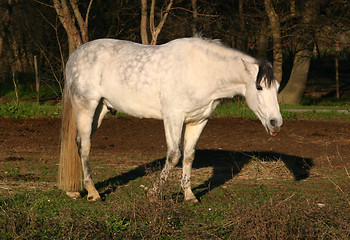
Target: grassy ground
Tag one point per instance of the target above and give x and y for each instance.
(255, 207)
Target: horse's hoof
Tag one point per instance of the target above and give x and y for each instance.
(152, 198)
(192, 201)
(151, 194)
(94, 198)
(73, 195)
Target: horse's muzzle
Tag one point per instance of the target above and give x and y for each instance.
(274, 126)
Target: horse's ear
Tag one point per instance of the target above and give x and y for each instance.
(251, 67)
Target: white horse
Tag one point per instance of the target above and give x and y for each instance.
(180, 82)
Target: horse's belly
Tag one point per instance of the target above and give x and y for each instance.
(136, 104)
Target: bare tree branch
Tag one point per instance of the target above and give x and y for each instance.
(87, 14)
(195, 16)
(44, 4)
(82, 24)
(155, 31)
(74, 37)
(151, 17)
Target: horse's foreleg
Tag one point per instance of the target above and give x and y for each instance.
(173, 130)
(172, 159)
(192, 133)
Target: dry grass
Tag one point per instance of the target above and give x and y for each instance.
(259, 169)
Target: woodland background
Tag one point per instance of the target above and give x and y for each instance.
(307, 41)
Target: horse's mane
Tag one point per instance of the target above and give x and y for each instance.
(219, 49)
(265, 72)
(265, 67)
(209, 40)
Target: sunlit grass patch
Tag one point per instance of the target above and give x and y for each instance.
(30, 109)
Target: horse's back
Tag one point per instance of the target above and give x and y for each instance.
(121, 72)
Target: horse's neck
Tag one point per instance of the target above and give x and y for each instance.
(228, 71)
(231, 78)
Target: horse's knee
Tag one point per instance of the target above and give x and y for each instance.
(189, 156)
(173, 157)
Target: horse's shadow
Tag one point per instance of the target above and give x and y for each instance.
(225, 164)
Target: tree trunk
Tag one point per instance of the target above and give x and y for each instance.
(83, 25)
(263, 42)
(17, 65)
(276, 36)
(295, 88)
(4, 25)
(242, 42)
(75, 37)
(144, 35)
(337, 76)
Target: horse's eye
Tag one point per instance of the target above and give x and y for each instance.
(259, 88)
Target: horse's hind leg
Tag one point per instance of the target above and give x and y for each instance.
(85, 114)
(192, 133)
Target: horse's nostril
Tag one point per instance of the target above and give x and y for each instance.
(273, 122)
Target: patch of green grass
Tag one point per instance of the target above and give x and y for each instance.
(29, 109)
(10, 172)
(240, 109)
(13, 172)
(51, 215)
(233, 109)
(226, 109)
(246, 210)
(339, 106)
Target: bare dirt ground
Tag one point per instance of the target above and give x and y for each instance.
(306, 147)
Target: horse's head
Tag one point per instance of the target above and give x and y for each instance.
(261, 96)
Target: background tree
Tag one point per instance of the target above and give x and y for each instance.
(76, 35)
(154, 30)
(52, 30)
(276, 36)
(5, 22)
(293, 91)
(20, 22)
